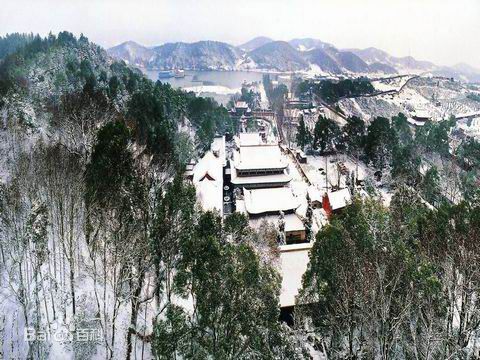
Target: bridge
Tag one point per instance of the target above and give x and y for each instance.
(268, 115)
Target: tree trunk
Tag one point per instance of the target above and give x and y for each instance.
(134, 312)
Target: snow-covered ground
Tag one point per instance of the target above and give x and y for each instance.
(390, 83)
(320, 168)
(470, 127)
(438, 98)
(217, 89)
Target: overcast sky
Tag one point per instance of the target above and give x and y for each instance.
(443, 31)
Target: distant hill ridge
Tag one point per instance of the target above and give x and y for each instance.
(263, 53)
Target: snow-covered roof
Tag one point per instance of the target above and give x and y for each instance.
(250, 139)
(218, 148)
(260, 201)
(209, 194)
(241, 105)
(294, 261)
(421, 114)
(208, 181)
(260, 179)
(210, 164)
(315, 194)
(240, 206)
(471, 128)
(293, 223)
(292, 113)
(259, 157)
(415, 122)
(339, 199)
(218, 145)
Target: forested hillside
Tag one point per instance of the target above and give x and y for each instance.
(106, 254)
(99, 233)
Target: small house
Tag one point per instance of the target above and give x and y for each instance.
(301, 157)
(335, 201)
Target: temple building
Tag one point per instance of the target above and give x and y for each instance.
(335, 201)
(207, 177)
(258, 164)
(275, 205)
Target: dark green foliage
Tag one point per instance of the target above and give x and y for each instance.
(378, 281)
(354, 132)
(10, 76)
(173, 335)
(405, 164)
(209, 117)
(474, 97)
(113, 85)
(405, 155)
(468, 157)
(469, 153)
(172, 226)
(303, 137)
(235, 298)
(379, 142)
(402, 130)
(302, 88)
(251, 97)
(327, 136)
(275, 94)
(110, 171)
(367, 280)
(433, 136)
(11, 42)
(331, 91)
(430, 186)
(174, 215)
(154, 111)
(156, 108)
(236, 225)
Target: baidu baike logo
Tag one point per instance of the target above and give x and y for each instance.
(62, 334)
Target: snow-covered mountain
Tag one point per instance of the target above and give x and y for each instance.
(263, 53)
(202, 55)
(460, 71)
(260, 53)
(255, 43)
(133, 53)
(405, 64)
(278, 55)
(307, 44)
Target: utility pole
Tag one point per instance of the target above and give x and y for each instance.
(326, 173)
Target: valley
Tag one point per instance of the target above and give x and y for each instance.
(277, 200)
